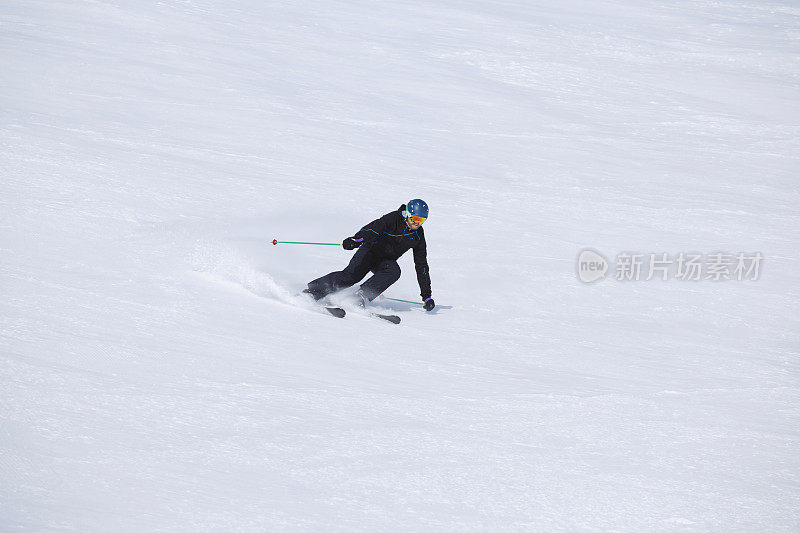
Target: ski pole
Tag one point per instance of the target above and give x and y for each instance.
(382, 297)
(276, 242)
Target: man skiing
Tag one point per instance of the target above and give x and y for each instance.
(380, 243)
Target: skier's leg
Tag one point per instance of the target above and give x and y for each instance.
(359, 266)
(386, 273)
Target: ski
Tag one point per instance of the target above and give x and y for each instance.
(394, 319)
(338, 312)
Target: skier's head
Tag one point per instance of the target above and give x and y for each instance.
(415, 213)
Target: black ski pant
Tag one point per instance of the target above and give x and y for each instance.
(385, 272)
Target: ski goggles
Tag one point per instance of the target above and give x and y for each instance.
(416, 218)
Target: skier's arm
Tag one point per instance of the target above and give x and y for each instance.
(421, 266)
(373, 230)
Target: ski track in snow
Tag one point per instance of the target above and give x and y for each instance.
(228, 264)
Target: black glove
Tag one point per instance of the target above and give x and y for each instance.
(429, 304)
(350, 243)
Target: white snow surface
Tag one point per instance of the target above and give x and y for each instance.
(158, 373)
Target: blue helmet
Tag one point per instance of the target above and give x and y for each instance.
(417, 209)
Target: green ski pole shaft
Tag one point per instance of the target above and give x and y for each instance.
(276, 242)
(399, 300)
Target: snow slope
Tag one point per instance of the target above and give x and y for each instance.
(156, 374)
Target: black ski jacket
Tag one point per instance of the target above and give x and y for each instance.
(389, 237)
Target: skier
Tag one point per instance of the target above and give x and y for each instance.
(380, 243)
